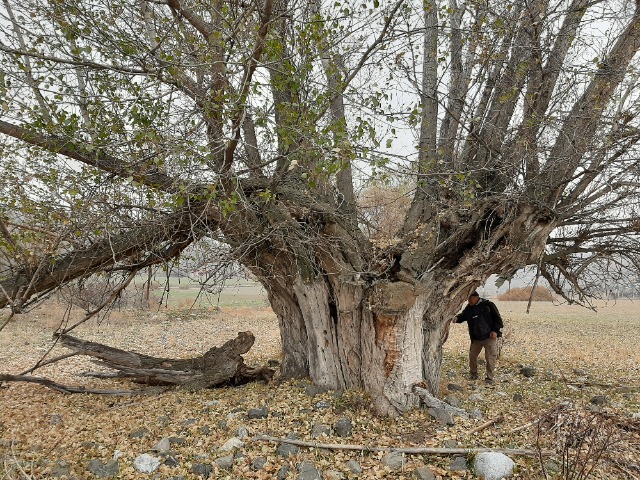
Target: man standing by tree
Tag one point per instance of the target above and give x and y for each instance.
(485, 325)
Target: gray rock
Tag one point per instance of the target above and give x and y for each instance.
(205, 430)
(424, 473)
(286, 450)
(255, 413)
(190, 421)
(60, 469)
(476, 398)
(599, 400)
(164, 420)
(442, 415)
(322, 405)
(450, 443)
(528, 371)
(177, 441)
(518, 397)
(232, 444)
(459, 464)
(225, 463)
(222, 425)
(319, 430)
(104, 470)
(293, 436)
(211, 403)
(282, 473)
(454, 387)
(343, 427)
(354, 467)
(452, 400)
(476, 414)
(139, 433)
(308, 471)
(201, 469)
(171, 461)
(242, 432)
(163, 446)
(258, 463)
(146, 463)
(313, 390)
(55, 419)
(394, 460)
(493, 465)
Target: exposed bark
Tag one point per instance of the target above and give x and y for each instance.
(217, 366)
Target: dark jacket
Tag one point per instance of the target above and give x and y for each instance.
(482, 319)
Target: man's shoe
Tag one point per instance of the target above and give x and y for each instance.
(473, 376)
(489, 381)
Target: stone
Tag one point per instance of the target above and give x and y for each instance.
(450, 443)
(222, 425)
(308, 471)
(394, 460)
(286, 450)
(459, 464)
(454, 387)
(163, 446)
(518, 397)
(528, 371)
(232, 444)
(242, 432)
(581, 372)
(257, 413)
(201, 469)
(354, 467)
(171, 461)
(282, 473)
(258, 463)
(493, 465)
(333, 475)
(205, 430)
(452, 400)
(211, 403)
(599, 400)
(225, 463)
(319, 430)
(424, 473)
(146, 463)
(60, 469)
(343, 427)
(476, 414)
(476, 398)
(443, 416)
(55, 419)
(322, 405)
(139, 433)
(190, 421)
(103, 470)
(313, 390)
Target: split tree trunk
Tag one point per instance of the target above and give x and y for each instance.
(217, 366)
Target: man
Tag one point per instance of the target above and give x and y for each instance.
(485, 326)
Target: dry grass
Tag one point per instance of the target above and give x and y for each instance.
(555, 340)
(523, 294)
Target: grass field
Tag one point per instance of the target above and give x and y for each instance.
(577, 355)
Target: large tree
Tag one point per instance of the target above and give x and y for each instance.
(132, 130)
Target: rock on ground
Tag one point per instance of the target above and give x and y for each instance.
(354, 466)
(308, 471)
(424, 473)
(343, 427)
(103, 470)
(493, 465)
(225, 463)
(146, 463)
(394, 460)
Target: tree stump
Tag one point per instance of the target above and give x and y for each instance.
(219, 365)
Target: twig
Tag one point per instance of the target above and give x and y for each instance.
(525, 426)
(70, 389)
(408, 450)
(47, 362)
(486, 424)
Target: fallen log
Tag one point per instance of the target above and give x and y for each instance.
(219, 365)
(407, 450)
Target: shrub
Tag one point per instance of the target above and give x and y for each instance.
(522, 294)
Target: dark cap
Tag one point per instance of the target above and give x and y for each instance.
(474, 294)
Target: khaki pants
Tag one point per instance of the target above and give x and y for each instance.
(490, 346)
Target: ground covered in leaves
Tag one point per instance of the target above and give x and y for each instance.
(568, 381)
